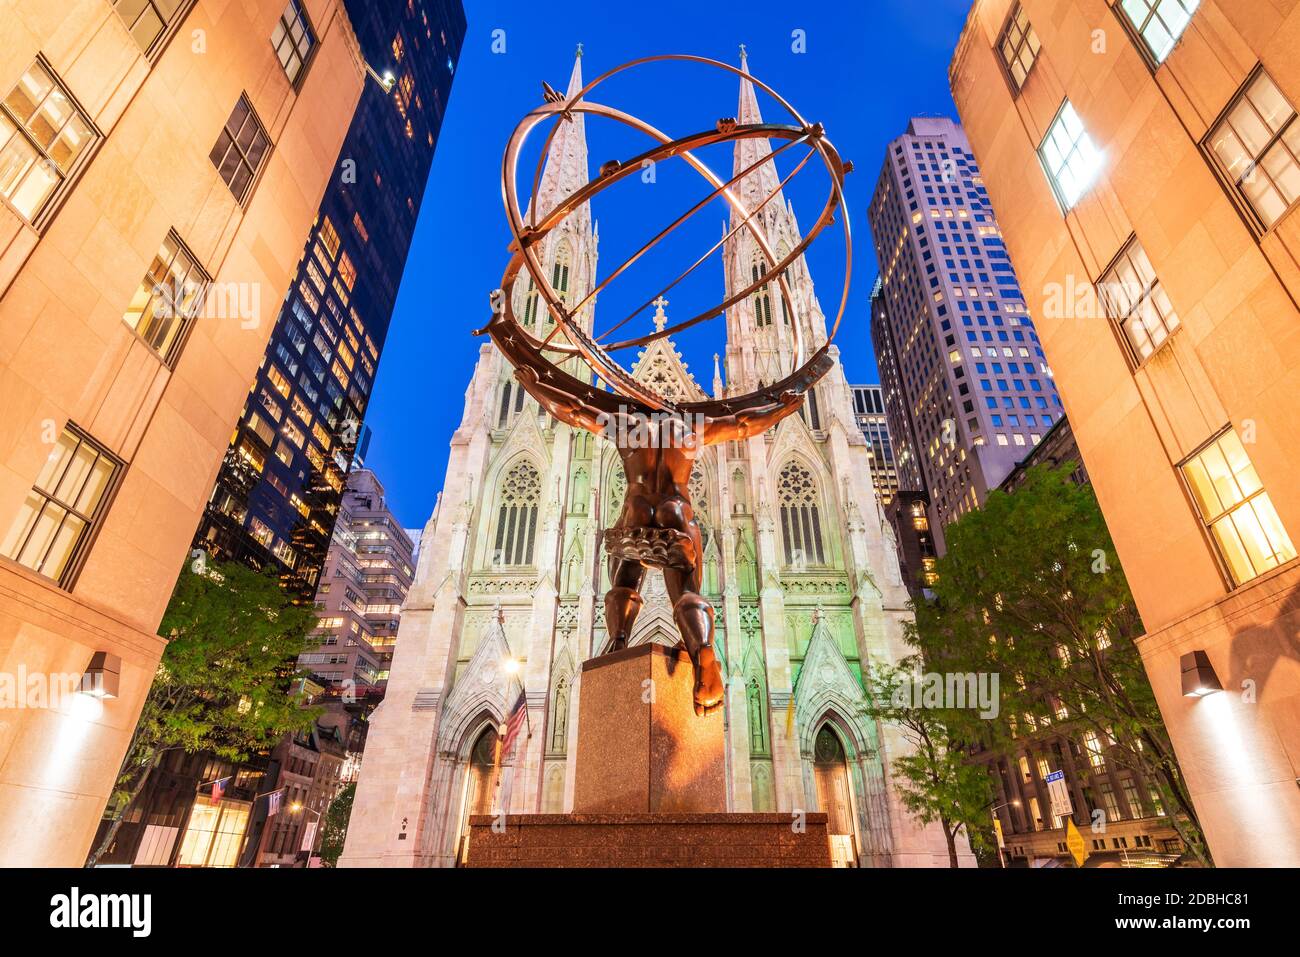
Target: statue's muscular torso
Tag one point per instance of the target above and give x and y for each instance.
(658, 480)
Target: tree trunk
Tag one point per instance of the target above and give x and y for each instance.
(119, 815)
(950, 835)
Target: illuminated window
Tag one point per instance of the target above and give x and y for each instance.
(278, 381)
(308, 295)
(263, 429)
(147, 20)
(169, 297)
(1236, 509)
(1018, 46)
(214, 834)
(1159, 22)
(329, 237)
(62, 508)
(347, 271)
(402, 93)
(293, 40)
(240, 150)
(42, 133)
(251, 454)
(1134, 299)
(1096, 757)
(1069, 156)
(300, 409)
(1257, 144)
(314, 273)
(293, 433)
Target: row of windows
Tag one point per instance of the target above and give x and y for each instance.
(1256, 147)
(44, 133)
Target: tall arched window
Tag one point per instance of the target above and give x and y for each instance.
(801, 530)
(560, 271)
(762, 295)
(810, 411)
(530, 304)
(512, 401)
(781, 252)
(517, 517)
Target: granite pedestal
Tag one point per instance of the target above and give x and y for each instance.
(650, 786)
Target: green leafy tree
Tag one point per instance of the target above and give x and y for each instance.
(334, 830)
(935, 781)
(225, 681)
(1031, 589)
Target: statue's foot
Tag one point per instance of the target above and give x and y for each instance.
(708, 682)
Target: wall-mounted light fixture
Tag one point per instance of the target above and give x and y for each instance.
(1199, 678)
(386, 80)
(102, 675)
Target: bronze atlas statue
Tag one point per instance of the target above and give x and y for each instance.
(657, 439)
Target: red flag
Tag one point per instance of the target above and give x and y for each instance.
(513, 723)
(219, 789)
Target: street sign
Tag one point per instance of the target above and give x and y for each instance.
(1059, 792)
(1074, 841)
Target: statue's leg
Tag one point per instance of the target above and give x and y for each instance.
(623, 600)
(694, 617)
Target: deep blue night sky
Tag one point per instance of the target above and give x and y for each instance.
(869, 65)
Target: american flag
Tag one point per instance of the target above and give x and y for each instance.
(219, 789)
(273, 802)
(518, 714)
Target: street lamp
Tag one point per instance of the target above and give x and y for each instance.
(997, 825)
(298, 807)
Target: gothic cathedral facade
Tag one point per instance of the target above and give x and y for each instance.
(800, 567)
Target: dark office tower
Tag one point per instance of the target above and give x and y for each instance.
(277, 494)
(968, 391)
(869, 410)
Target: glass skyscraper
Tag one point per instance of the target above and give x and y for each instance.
(967, 389)
(277, 494)
(869, 410)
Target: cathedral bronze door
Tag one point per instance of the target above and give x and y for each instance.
(480, 787)
(832, 776)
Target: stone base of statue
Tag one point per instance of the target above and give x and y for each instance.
(641, 746)
(650, 785)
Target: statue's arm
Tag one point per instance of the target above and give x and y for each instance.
(563, 405)
(741, 425)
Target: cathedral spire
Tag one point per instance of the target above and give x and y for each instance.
(753, 188)
(566, 160)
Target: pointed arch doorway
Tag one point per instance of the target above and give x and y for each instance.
(479, 791)
(835, 796)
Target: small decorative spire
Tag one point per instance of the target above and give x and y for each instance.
(580, 48)
(660, 319)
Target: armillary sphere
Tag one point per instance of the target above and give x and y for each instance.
(523, 349)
